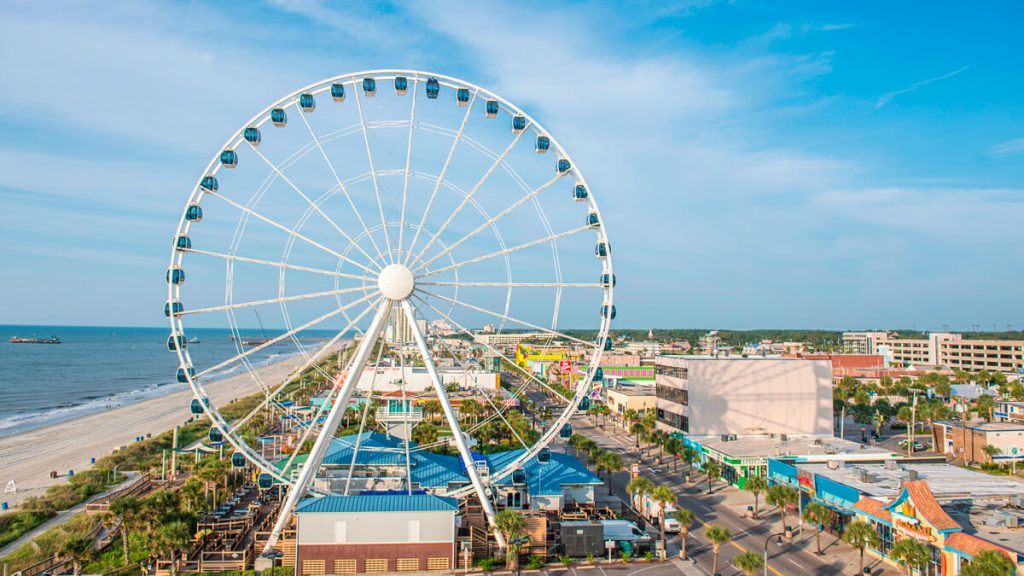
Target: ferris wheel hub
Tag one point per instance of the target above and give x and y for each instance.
(396, 282)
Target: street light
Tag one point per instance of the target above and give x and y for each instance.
(778, 541)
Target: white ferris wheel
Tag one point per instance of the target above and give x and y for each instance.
(384, 218)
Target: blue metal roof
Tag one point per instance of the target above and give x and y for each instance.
(388, 503)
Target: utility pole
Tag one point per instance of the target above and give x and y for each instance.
(913, 422)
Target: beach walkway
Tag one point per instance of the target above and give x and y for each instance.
(65, 515)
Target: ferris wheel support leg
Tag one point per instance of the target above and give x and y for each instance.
(323, 440)
(453, 422)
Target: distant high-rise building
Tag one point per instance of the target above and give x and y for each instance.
(398, 329)
(864, 342)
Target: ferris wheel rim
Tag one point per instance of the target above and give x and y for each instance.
(416, 76)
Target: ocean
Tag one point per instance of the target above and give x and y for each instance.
(95, 368)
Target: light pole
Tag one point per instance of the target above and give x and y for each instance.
(778, 541)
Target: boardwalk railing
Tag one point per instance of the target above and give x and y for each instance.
(141, 485)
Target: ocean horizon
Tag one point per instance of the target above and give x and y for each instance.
(97, 368)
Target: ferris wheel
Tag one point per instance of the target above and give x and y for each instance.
(397, 222)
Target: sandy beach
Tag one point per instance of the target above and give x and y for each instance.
(28, 458)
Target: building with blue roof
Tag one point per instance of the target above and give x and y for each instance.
(379, 465)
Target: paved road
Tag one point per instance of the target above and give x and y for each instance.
(795, 557)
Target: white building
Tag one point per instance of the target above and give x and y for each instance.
(702, 396)
(388, 379)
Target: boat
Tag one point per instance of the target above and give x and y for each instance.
(193, 340)
(19, 340)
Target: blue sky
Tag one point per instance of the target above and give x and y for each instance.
(798, 164)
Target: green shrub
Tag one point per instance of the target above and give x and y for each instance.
(625, 556)
(566, 560)
(534, 562)
(486, 564)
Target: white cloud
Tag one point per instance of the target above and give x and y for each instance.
(1015, 146)
(888, 96)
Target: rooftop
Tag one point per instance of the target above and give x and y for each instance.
(633, 390)
(947, 482)
(986, 426)
(796, 447)
(378, 503)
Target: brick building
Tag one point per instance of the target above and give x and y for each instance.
(950, 437)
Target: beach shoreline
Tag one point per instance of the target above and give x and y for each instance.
(29, 457)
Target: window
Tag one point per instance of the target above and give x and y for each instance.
(677, 421)
(345, 566)
(313, 567)
(672, 371)
(408, 564)
(672, 394)
(377, 565)
(438, 563)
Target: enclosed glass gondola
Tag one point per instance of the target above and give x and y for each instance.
(584, 404)
(369, 86)
(176, 341)
(605, 342)
(543, 144)
(184, 374)
(462, 96)
(307, 103)
(593, 221)
(176, 275)
(238, 460)
(544, 455)
(252, 135)
(579, 193)
(519, 476)
(491, 108)
(194, 213)
(278, 117)
(602, 250)
(216, 436)
(265, 481)
(608, 280)
(563, 166)
(599, 373)
(608, 312)
(173, 307)
(401, 85)
(183, 243)
(433, 88)
(196, 407)
(518, 124)
(566, 432)
(338, 92)
(228, 159)
(209, 183)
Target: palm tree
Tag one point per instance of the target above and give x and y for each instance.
(685, 519)
(77, 549)
(611, 462)
(663, 496)
(991, 451)
(424, 433)
(127, 510)
(637, 429)
(173, 537)
(988, 563)
(756, 485)
(817, 514)
(860, 535)
(717, 535)
(689, 456)
(910, 552)
(511, 524)
(713, 470)
(749, 562)
(780, 495)
(674, 447)
(638, 488)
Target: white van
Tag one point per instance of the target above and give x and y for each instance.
(620, 530)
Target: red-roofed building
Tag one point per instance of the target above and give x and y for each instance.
(915, 513)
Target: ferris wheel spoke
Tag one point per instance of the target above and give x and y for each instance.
(233, 257)
(373, 171)
(497, 253)
(529, 376)
(406, 409)
(288, 334)
(490, 401)
(293, 233)
(408, 161)
(276, 300)
(440, 178)
(309, 362)
(472, 192)
(313, 205)
(453, 422)
(490, 222)
(505, 317)
(516, 284)
(362, 422)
